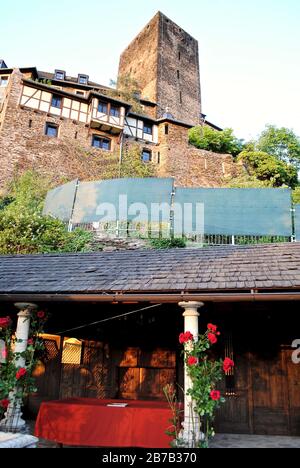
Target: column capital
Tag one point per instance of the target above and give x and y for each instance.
(25, 308)
(191, 307)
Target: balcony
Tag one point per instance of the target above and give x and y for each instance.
(107, 117)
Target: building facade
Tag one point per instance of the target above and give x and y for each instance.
(71, 127)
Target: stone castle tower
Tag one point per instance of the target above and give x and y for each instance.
(164, 60)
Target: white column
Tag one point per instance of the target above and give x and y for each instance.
(191, 426)
(13, 417)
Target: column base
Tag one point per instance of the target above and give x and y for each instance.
(13, 421)
(190, 436)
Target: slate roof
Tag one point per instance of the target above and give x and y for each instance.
(274, 266)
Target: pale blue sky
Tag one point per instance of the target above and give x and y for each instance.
(249, 50)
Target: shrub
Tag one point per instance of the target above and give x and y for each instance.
(168, 243)
(204, 137)
(268, 168)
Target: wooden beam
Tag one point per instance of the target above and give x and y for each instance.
(159, 298)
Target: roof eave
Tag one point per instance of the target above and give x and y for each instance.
(166, 298)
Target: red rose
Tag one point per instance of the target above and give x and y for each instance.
(215, 395)
(21, 373)
(5, 322)
(212, 328)
(185, 337)
(212, 338)
(228, 364)
(30, 342)
(192, 361)
(4, 403)
(41, 314)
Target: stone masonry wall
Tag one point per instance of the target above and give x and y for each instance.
(178, 73)
(140, 60)
(24, 145)
(191, 167)
(164, 60)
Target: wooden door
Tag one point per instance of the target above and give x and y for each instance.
(270, 397)
(293, 385)
(235, 415)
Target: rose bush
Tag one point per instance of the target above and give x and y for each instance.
(14, 377)
(205, 374)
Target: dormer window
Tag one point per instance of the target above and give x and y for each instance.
(3, 64)
(60, 75)
(83, 79)
(3, 81)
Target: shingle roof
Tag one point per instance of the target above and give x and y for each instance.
(209, 269)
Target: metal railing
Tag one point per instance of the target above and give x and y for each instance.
(119, 230)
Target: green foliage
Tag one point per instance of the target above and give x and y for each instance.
(28, 191)
(5, 201)
(205, 373)
(247, 181)
(268, 168)
(133, 166)
(30, 233)
(23, 228)
(296, 195)
(9, 379)
(281, 143)
(127, 89)
(204, 137)
(171, 243)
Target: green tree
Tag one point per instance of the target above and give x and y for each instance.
(127, 89)
(23, 228)
(247, 181)
(266, 167)
(281, 143)
(204, 137)
(296, 195)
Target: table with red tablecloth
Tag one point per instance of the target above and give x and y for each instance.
(90, 422)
